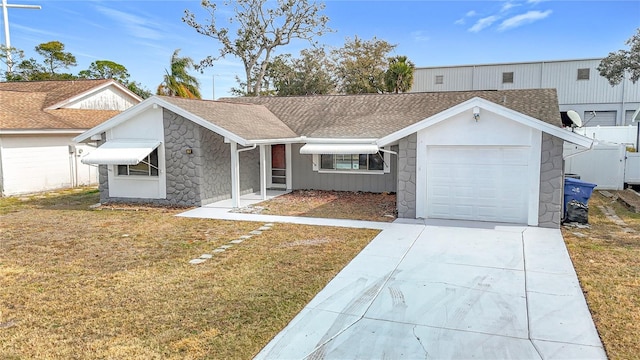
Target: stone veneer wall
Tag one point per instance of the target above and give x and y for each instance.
(551, 182)
(406, 194)
(199, 178)
(216, 168)
(183, 171)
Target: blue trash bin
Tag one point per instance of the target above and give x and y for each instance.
(578, 190)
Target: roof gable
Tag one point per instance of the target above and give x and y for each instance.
(478, 105)
(41, 105)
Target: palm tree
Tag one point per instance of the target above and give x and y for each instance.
(178, 82)
(399, 76)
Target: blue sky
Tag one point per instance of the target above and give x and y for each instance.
(142, 35)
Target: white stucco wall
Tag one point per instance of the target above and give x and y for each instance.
(147, 125)
(490, 130)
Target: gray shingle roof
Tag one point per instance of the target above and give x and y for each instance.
(375, 115)
(249, 121)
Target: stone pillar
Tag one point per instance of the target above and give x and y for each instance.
(406, 193)
(551, 182)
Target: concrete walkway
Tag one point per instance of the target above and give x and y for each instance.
(441, 289)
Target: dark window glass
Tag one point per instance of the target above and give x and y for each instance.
(326, 161)
(507, 77)
(147, 167)
(376, 162)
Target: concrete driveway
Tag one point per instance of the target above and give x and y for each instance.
(443, 290)
(450, 290)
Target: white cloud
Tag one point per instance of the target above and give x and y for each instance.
(462, 20)
(507, 6)
(535, 1)
(138, 26)
(523, 19)
(484, 23)
(419, 36)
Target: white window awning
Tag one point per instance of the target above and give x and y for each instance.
(336, 149)
(120, 152)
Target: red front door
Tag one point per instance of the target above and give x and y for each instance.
(278, 166)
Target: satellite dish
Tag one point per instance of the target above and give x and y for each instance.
(575, 118)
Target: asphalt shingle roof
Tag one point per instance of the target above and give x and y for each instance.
(24, 105)
(375, 115)
(249, 121)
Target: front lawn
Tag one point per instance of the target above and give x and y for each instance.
(117, 284)
(607, 259)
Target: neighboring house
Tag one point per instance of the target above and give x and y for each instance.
(38, 121)
(578, 82)
(476, 155)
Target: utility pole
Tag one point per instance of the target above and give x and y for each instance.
(7, 38)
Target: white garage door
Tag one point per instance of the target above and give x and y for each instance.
(483, 183)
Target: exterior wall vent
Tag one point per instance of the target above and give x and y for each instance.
(583, 74)
(507, 77)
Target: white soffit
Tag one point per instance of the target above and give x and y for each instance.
(121, 152)
(336, 149)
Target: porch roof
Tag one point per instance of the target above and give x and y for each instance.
(248, 121)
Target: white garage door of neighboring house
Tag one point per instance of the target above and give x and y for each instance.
(602, 118)
(483, 183)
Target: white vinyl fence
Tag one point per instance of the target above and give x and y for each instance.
(615, 134)
(632, 168)
(603, 165)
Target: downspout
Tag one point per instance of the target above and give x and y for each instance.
(623, 113)
(235, 173)
(387, 151)
(580, 152)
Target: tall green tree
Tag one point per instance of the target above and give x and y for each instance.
(29, 70)
(256, 29)
(178, 81)
(361, 65)
(10, 56)
(138, 89)
(399, 76)
(616, 64)
(310, 74)
(106, 69)
(55, 57)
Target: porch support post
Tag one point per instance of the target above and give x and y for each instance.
(263, 172)
(235, 175)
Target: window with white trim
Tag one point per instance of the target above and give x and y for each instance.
(355, 163)
(352, 162)
(147, 167)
